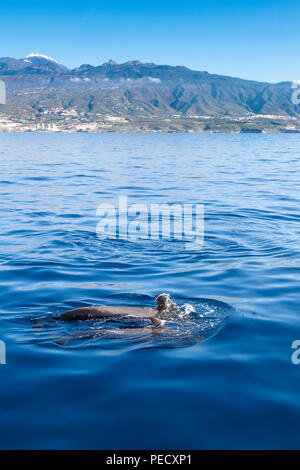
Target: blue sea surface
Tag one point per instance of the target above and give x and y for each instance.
(228, 383)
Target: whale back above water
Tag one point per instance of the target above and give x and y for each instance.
(170, 324)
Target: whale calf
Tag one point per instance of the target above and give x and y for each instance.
(114, 333)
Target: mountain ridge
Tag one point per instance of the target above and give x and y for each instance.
(38, 87)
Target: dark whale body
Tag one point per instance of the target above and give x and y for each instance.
(164, 308)
(105, 311)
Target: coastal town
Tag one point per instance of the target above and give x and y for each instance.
(71, 121)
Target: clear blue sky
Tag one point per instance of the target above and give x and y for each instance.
(245, 38)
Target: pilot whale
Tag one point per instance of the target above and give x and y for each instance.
(164, 310)
(116, 333)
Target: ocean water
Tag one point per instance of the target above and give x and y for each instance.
(219, 378)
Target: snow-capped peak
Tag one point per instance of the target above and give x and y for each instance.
(42, 56)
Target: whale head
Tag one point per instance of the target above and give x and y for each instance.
(165, 304)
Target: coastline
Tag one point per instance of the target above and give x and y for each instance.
(205, 124)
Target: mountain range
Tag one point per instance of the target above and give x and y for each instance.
(39, 89)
